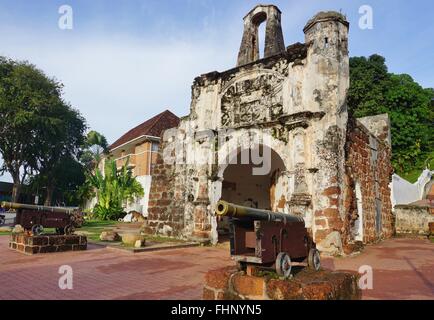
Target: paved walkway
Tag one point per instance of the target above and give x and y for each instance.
(402, 269)
(101, 273)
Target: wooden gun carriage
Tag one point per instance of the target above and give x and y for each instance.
(265, 239)
(35, 218)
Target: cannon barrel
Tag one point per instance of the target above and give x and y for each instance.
(17, 206)
(224, 208)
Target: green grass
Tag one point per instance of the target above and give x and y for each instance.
(98, 224)
(161, 239)
(95, 227)
(412, 176)
(46, 231)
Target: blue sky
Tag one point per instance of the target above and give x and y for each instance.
(127, 60)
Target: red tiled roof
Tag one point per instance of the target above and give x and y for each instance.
(152, 127)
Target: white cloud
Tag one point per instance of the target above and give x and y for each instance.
(119, 82)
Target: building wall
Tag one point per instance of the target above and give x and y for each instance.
(142, 156)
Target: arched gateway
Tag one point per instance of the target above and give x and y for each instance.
(292, 103)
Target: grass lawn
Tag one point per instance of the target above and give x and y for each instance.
(412, 176)
(93, 228)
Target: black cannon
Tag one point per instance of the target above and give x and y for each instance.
(265, 239)
(35, 218)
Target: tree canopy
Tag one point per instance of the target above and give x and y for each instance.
(374, 90)
(38, 129)
(94, 147)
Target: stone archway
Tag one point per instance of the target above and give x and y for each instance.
(243, 185)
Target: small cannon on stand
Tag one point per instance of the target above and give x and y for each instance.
(35, 218)
(265, 239)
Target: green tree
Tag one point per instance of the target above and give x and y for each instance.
(60, 144)
(37, 128)
(113, 189)
(374, 90)
(69, 176)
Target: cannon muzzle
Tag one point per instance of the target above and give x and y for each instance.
(224, 208)
(18, 206)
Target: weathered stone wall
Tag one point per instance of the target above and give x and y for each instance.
(296, 101)
(379, 126)
(367, 164)
(230, 284)
(305, 120)
(166, 200)
(411, 219)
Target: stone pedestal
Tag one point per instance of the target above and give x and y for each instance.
(230, 284)
(46, 243)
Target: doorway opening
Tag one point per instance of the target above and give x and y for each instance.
(241, 185)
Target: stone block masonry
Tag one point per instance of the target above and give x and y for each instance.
(324, 165)
(230, 284)
(30, 245)
(413, 220)
(367, 204)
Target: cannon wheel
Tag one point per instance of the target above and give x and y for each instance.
(69, 229)
(314, 260)
(283, 265)
(37, 229)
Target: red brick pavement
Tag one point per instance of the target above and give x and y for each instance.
(100, 273)
(402, 269)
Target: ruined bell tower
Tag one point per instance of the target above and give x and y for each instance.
(274, 43)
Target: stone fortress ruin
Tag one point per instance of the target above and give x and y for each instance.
(288, 110)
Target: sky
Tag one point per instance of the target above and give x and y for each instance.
(125, 61)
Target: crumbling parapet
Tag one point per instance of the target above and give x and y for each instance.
(379, 126)
(274, 43)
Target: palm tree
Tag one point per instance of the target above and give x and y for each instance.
(95, 146)
(113, 189)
